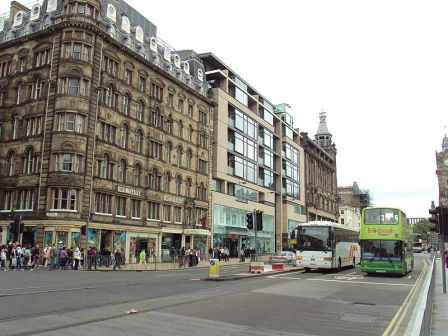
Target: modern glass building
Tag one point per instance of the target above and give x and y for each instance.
(256, 163)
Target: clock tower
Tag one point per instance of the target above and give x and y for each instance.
(442, 172)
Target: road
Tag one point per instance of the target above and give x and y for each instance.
(179, 303)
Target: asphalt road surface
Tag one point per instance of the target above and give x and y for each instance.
(179, 303)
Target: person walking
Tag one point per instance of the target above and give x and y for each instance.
(62, 258)
(142, 258)
(3, 257)
(117, 259)
(47, 256)
(77, 258)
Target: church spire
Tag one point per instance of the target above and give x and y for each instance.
(323, 136)
(445, 142)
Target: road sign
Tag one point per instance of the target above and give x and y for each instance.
(214, 268)
(433, 238)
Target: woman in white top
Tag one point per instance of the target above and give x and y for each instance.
(77, 258)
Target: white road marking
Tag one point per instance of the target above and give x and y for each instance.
(362, 282)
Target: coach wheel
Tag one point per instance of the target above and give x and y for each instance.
(307, 269)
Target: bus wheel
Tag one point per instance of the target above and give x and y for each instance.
(307, 269)
(354, 263)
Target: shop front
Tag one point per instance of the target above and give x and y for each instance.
(230, 231)
(138, 241)
(199, 241)
(62, 236)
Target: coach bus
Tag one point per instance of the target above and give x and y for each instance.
(326, 245)
(386, 241)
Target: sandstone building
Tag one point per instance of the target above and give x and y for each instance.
(104, 125)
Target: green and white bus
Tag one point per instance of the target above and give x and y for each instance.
(386, 241)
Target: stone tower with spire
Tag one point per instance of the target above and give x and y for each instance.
(442, 172)
(323, 137)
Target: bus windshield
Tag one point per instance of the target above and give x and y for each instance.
(313, 238)
(381, 216)
(391, 250)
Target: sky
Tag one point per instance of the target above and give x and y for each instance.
(379, 69)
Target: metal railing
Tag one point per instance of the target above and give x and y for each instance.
(420, 322)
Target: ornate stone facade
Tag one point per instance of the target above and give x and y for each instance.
(102, 124)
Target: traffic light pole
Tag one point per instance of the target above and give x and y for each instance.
(254, 216)
(442, 247)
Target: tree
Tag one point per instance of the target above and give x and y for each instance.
(422, 228)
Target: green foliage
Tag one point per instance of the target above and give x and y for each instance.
(422, 227)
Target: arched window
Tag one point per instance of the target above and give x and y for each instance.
(136, 175)
(179, 156)
(110, 96)
(189, 158)
(104, 167)
(169, 148)
(166, 182)
(138, 141)
(155, 118)
(154, 180)
(203, 139)
(122, 171)
(190, 133)
(140, 109)
(188, 188)
(12, 164)
(124, 136)
(126, 104)
(19, 97)
(180, 132)
(201, 192)
(169, 125)
(178, 184)
(28, 162)
(37, 88)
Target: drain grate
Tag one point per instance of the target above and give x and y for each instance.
(361, 318)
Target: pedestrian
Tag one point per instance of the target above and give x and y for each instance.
(446, 259)
(76, 258)
(47, 256)
(242, 256)
(54, 257)
(117, 259)
(226, 254)
(62, 258)
(36, 256)
(142, 258)
(3, 257)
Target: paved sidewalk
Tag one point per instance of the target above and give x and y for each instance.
(167, 266)
(440, 308)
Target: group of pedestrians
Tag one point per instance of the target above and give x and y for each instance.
(16, 256)
(19, 257)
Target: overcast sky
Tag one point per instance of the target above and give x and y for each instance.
(378, 68)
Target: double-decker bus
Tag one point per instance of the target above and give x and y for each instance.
(386, 241)
(326, 245)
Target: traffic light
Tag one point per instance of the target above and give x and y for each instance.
(250, 221)
(434, 219)
(259, 215)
